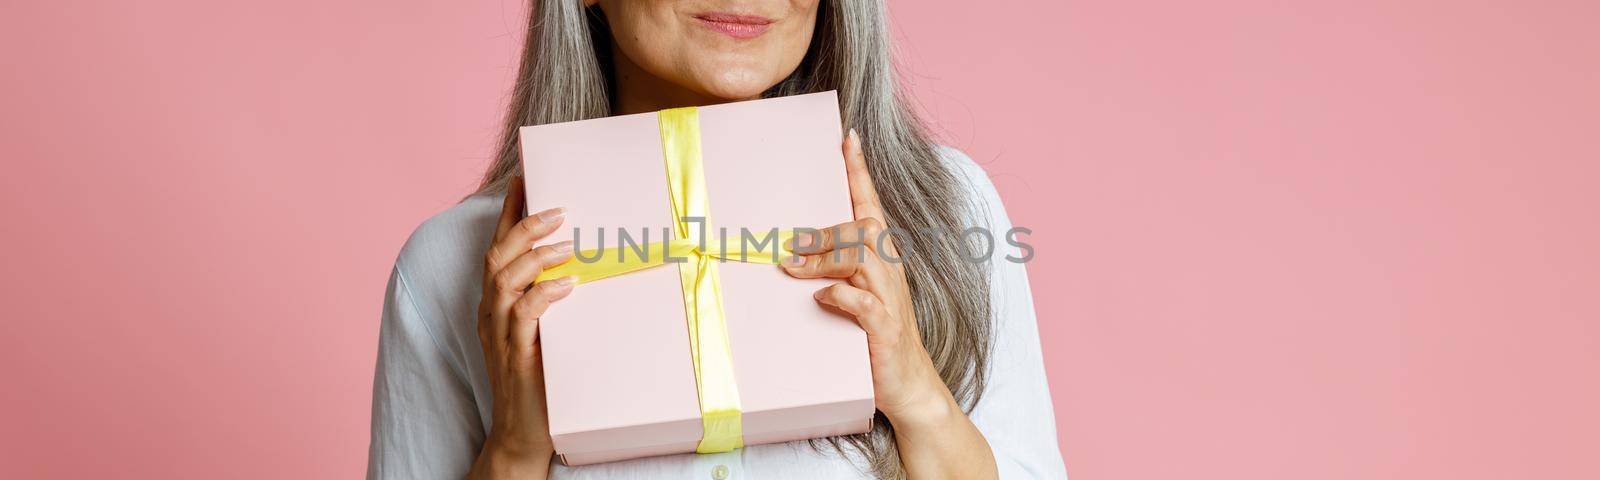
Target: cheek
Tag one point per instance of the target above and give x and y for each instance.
(647, 33)
(796, 41)
(793, 41)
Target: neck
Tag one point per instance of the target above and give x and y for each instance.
(638, 91)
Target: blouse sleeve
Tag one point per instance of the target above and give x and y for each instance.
(1014, 413)
(424, 419)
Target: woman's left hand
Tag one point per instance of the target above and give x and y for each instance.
(906, 384)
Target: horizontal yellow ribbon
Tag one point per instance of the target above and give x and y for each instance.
(597, 264)
(697, 259)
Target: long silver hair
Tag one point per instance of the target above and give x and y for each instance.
(565, 75)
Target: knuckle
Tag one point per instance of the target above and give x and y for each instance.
(503, 282)
(530, 225)
(819, 241)
(867, 303)
(817, 264)
(491, 260)
(524, 353)
(872, 225)
(526, 308)
(871, 306)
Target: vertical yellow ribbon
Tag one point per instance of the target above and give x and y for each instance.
(720, 413)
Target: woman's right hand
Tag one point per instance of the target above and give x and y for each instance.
(518, 444)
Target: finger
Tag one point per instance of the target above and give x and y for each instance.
(526, 311)
(862, 305)
(863, 232)
(505, 286)
(863, 194)
(511, 210)
(854, 263)
(512, 281)
(520, 238)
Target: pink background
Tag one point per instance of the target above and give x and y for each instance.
(1275, 239)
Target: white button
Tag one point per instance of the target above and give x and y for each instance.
(719, 472)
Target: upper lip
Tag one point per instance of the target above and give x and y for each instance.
(721, 17)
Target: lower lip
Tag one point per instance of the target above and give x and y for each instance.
(742, 31)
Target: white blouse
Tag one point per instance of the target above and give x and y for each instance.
(431, 399)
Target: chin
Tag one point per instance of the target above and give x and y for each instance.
(738, 84)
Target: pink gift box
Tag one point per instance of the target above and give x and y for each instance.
(618, 375)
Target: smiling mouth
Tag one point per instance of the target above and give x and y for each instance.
(742, 27)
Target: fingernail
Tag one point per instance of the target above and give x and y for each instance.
(853, 135)
(552, 215)
(794, 261)
(567, 281)
(561, 247)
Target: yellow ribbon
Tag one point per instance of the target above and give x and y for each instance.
(697, 259)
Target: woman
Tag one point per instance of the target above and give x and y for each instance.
(956, 368)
